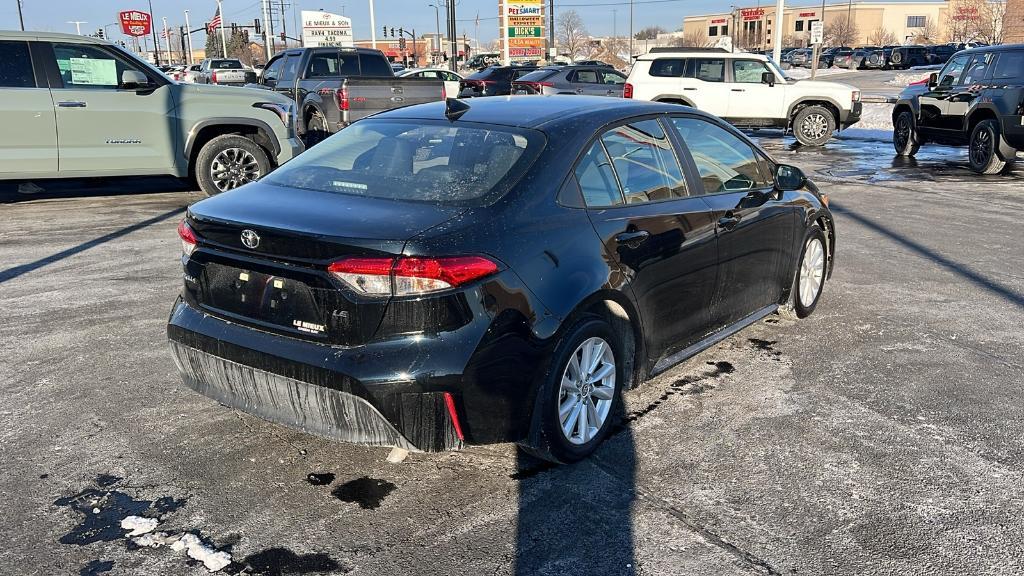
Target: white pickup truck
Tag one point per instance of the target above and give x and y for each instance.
(225, 72)
(747, 90)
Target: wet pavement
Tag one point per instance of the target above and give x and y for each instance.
(882, 435)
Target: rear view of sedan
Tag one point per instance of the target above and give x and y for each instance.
(497, 271)
(585, 80)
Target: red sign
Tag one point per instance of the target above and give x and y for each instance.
(718, 21)
(135, 23)
(752, 13)
(806, 14)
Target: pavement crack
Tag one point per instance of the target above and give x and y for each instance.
(299, 449)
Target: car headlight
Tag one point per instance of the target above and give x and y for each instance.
(286, 112)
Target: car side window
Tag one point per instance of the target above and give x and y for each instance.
(597, 180)
(951, 73)
(273, 70)
(709, 69)
(370, 65)
(586, 76)
(290, 68)
(668, 67)
(1009, 66)
(612, 77)
(724, 162)
(748, 71)
(450, 77)
(645, 162)
(83, 66)
(975, 71)
(16, 65)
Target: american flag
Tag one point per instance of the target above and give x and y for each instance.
(215, 23)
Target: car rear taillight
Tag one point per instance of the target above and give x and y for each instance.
(341, 96)
(627, 90)
(188, 238)
(409, 276)
(213, 77)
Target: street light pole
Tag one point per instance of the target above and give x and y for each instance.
(223, 36)
(78, 25)
(21, 19)
(437, 41)
(152, 30)
(630, 33)
(188, 32)
(373, 27)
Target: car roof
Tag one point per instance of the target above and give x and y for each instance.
(999, 48)
(701, 54)
(29, 35)
(541, 112)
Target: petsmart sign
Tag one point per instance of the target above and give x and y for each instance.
(523, 24)
(325, 29)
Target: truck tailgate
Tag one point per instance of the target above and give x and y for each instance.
(371, 95)
(232, 77)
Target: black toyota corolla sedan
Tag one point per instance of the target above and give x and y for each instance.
(493, 271)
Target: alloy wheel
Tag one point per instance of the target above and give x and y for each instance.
(812, 272)
(981, 147)
(232, 168)
(902, 132)
(814, 126)
(587, 390)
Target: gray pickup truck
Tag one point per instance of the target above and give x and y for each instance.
(334, 87)
(73, 107)
(224, 72)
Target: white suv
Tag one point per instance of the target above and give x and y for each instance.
(747, 90)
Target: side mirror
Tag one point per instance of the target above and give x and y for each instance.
(768, 78)
(131, 79)
(933, 80)
(789, 178)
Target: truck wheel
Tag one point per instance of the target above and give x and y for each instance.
(896, 58)
(904, 135)
(814, 125)
(229, 161)
(316, 129)
(982, 153)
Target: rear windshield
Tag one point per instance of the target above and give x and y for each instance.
(492, 73)
(226, 64)
(537, 75)
(419, 161)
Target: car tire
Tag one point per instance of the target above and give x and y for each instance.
(896, 59)
(814, 125)
(809, 279)
(229, 161)
(316, 129)
(904, 135)
(982, 154)
(567, 401)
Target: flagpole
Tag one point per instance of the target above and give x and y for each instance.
(223, 38)
(167, 43)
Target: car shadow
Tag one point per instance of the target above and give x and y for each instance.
(14, 191)
(577, 518)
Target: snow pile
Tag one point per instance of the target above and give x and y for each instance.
(139, 525)
(805, 73)
(875, 117)
(213, 559)
(906, 78)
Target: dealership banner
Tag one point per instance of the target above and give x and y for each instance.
(135, 23)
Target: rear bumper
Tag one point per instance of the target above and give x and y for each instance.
(1013, 135)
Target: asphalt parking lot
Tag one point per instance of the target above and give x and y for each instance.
(883, 435)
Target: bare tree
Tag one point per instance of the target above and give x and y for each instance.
(572, 34)
(990, 22)
(882, 37)
(692, 39)
(794, 40)
(928, 33)
(649, 33)
(962, 20)
(841, 31)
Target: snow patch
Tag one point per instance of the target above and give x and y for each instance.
(906, 78)
(154, 540)
(212, 558)
(875, 117)
(805, 73)
(139, 525)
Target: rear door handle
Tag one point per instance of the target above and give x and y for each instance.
(689, 88)
(729, 221)
(632, 239)
(68, 104)
(579, 90)
(737, 90)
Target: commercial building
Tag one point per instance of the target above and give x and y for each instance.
(754, 27)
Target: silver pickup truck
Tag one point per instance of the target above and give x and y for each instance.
(334, 87)
(224, 72)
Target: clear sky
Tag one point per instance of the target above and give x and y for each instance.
(599, 16)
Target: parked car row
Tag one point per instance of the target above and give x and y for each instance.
(877, 57)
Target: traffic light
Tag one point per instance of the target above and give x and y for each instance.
(256, 26)
(234, 28)
(392, 31)
(401, 43)
(385, 31)
(401, 32)
(101, 33)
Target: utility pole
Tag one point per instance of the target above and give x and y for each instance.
(436, 56)
(188, 31)
(552, 49)
(152, 31)
(452, 40)
(373, 27)
(267, 36)
(21, 19)
(780, 5)
(78, 25)
(284, 25)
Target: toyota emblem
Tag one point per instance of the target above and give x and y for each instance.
(250, 239)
